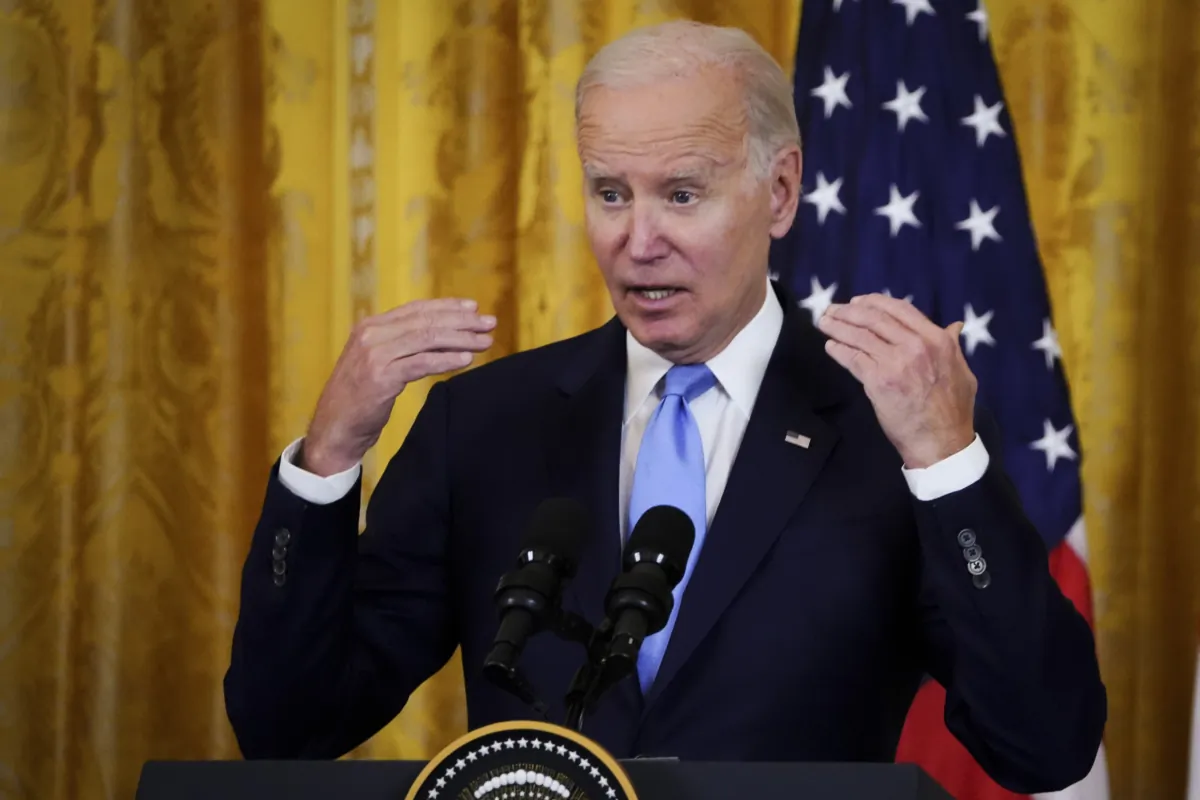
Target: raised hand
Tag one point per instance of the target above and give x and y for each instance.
(383, 355)
(914, 373)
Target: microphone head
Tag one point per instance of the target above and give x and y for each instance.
(558, 531)
(663, 535)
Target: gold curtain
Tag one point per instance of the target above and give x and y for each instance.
(198, 198)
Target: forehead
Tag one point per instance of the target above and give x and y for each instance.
(680, 124)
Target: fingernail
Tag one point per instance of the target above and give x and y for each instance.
(488, 319)
(469, 304)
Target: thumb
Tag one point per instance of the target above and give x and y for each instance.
(954, 331)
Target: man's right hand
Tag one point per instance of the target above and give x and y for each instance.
(384, 354)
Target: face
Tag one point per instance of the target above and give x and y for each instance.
(680, 226)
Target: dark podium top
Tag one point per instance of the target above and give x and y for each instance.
(653, 779)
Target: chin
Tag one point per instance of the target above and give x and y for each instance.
(663, 336)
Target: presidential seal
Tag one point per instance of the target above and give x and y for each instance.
(522, 761)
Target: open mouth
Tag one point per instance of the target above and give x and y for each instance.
(654, 292)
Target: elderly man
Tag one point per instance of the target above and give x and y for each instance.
(836, 476)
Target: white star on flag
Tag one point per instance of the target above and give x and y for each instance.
(825, 197)
(980, 224)
(819, 301)
(985, 120)
(980, 17)
(1048, 344)
(899, 210)
(914, 7)
(1054, 444)
(906, 105)
(833, 92)
(975, 329)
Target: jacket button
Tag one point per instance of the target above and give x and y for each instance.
(973, 552)
(279, 567)
(280, 580)
(966, 537)
(282, 537)
(982, 580)
(977, 567)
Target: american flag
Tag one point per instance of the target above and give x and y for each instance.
(912, 186)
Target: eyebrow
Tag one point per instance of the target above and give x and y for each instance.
(703, 171)
(690, 173)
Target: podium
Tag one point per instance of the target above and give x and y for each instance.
(652, 779)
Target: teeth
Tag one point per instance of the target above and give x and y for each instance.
(656, 294)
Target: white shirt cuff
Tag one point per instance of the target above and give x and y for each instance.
(313, 488)
(951, 474)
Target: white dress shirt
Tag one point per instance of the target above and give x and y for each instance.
(721, 414)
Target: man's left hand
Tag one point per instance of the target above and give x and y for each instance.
(914, 373)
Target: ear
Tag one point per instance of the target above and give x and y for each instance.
(785, 189)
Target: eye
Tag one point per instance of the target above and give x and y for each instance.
(609, 196)
(682, 197)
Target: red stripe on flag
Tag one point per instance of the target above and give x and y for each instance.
(1071, 573)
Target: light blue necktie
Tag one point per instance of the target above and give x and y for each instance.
(670, 471)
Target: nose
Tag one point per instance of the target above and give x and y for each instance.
(646, 242)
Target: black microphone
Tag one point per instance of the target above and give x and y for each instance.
(528, 597)
(638, 604)
(640, 601)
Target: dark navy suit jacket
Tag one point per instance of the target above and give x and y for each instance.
(824, 592)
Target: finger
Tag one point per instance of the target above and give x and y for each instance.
(430, 305)
(422, 365)
(429, 340)
(858, 363)
(857, 337)
(954, 332)
(457, 319)
(382, 330)
(904, 311)
(443, 315)
(874, 319)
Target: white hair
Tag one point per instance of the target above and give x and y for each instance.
(681, 47)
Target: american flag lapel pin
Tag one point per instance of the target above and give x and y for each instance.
(798, 439)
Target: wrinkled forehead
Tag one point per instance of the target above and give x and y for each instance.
(683, 125)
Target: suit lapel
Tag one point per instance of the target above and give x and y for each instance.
(769, 479)
(584, 450)
(584, 463)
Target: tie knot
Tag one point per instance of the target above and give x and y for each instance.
(689, 381)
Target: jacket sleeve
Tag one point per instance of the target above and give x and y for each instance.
(336, 630)
(1018, 661)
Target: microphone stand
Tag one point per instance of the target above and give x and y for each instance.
(502, 669)
(610, 659)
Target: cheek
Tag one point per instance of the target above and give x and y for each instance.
(707, 241)
(604, 234)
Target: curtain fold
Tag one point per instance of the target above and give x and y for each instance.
(198, 199)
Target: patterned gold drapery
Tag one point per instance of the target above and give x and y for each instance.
(198, 198)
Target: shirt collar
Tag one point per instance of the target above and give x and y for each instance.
(739, 368)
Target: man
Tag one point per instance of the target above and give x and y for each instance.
(854, 529)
